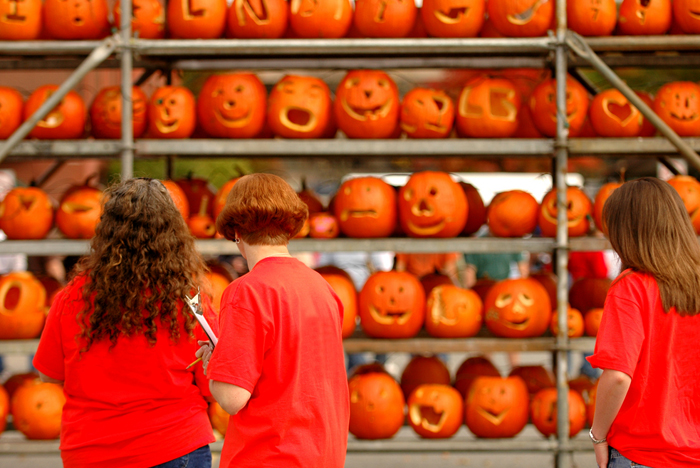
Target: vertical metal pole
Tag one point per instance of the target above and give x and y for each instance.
(127, 156)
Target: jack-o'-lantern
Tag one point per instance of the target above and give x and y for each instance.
(599, 202)
(521, 18)
(36, 410)
(543, 412)
(366, 208)
(299, 107)
(20, 20)
(496, 407)
(648, 129)
(367, 104)
(258, 19)
(66, 121)
(376, 406)
(323, 225)
(470, 369)
(686, 14)
(423, 370)
(591, 17)
(517, 308)
(578, 209)
(488, 108)
(196, 19)
(589, 293)
(26, 213)
(392, 305)
(427, 113)
(106, 112)
(476, 217)
(678, 104)
(574, 320)
(79, 212)
(179, 197)
(435, 411)
(535, 377)
(384, 18)
(543, 106)
(591, 321)
(218, 417)
(688, 188)
(222, 195)
(549, 281)
(612, 115)
(232, 105)
(197, 190)
(77, 19)
(512, 214)
(171, 113)
(22, 306)
(147, 19)
(644, 17)
(431, 204)
(329, 19)
(345, 290)
(11, 110)
(453, 312)
(453, 18)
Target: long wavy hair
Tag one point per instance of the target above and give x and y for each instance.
(142, 263)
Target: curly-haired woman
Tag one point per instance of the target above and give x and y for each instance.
(278, 368)
(120, 340)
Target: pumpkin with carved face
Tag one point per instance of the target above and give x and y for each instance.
(427, 113)
(591, 17)
(385, 18)
(543, 412)
(453, 312)
(392, 305)
(258, 19)
(20, 20)
(521, 18)
(196, 19)
(367, 104)
(66, 121)
(11, 110)
(431, 204)
(26, 213)
(599, 202)
(376, 406)
(328, 19)
(686, 14)
(578, 211)
(517, 308)
(435, 411)
(79, 212)
(453, 18)
(232, 105)
(470, 369)
(366, 208)
(299, 107)
(345, 290)
(106, 112)
(171, 113)
(543, 106)
(574, 320)
(147, 18)
(496, 407)
(678, 104)
(612, 115)
(512, 214)
(22, 306)
(535, 377)
(488, 108)
(688, 188)
(644, 17)
(76, 19)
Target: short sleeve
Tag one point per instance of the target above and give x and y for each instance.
(49, 358)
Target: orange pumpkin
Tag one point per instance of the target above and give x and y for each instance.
(591, 321)
(578, 209)
(329, 19)
(304, 231)
(496, 407)
(179, 197)
(453, 312)
(147, 19)
(435, 411)
(517, 308)
(574, 320)
(4, 408)
(26, 213)
(197, 190)
(20, 20)
(11, 109)
(599, 202)
(345, 289)
(106, 112)
(686, 14)
(512, 214)
(36, 410)
(453, 18)
(543, 106)
(66, 121)
(688, 188)
(17, 380)
(526, 124)
(590, 406)
(218, 417)
(423, 370)
(376, 406)
(392, 305)
(366, 208)
(476, 216)
(536, 378)
(583, 385)
(79, 212)
(222, 195)
(488, 108)
(258, 19)
(427, 113)
(678, 104)
(22, 306)
(196, 19)
(521, 18)
(612, 115)
(470, 369)
(77, 19)
(323, 225)
(648, 129)
(591, 17)
(644, 17)
(171, 113)
(310, 198)
(384, 18)
(201, 224)
(589, 293)
(299, 107)
(215, 284)
(543, 412)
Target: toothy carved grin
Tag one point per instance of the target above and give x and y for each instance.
(389, 317)
(363, 115)
(416, 414)
(453, 16)
(694, 14)
(684, 119)
(494, 418)
(346, 214)
(233, 123)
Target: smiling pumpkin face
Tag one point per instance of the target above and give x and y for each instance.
(543, 412)
(299, 107)
(521, 18)
(76, 19)
(678, 104)
(435, 411)
(427, 113)
(330, 19)
(366, 208)
(543, 106)
(579, 210)
(688, 188)
(20, 19)
(453, 18)
(232, 106)
(453, 312)
(496, 407)
(106, 113)
(687, 15)
(392, 305)
(517, 308)
(171, 112)
(147, 18)
(645, 17)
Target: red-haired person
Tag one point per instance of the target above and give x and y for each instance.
(646, 406)
(279, 367)
(120, 338)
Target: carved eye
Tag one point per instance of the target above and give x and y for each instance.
(383, 83)
(239, 88)
(526, 300)
(352, 82)
(159, 102)
(401, 289)
(217, 93)
(433, 191)
(380, 289)
(347, 190)
(503, 300)
(172, 102)
(408, 194)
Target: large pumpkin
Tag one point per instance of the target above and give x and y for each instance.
(470, 369)
(543, 106)
(232, 105)
(258, 19)
(423, 370)
(512, 214)
(612, 115)
(11, 110)
(496, 407)
(517, 308)
(578, 210)
(678, 104)
(644, 17)
(376, 406)
(171, 113)
(26, 213)
(392, 305)
(521, 18)
(106, 113)
(66, 121)
(20, 20)
(366, 208)
(17, 380)
(345, 289)
(22, 306)
(599, 202)
(37, 409)
(589, 293)
(299, 107)
(329, 19)
(476, 216)
(79, 212)
(384, 18)
(435, 411)
(488, 108)
(77, 19)
(147, 18)
(453, 312)
(453, 18)
(196, 19)
(427, 113)
(536, 378)
(574, 320)
(686, 14)
(591, 17)
(543, 412)
(179, 197)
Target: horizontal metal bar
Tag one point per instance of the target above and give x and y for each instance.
(67, 148)
(67, 63)
(627, 146)
(640, 43)
(650, 60)
(48, 47)
(21, 347)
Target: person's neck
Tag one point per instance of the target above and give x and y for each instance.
(255, 253)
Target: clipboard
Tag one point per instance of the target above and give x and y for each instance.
(195, 304)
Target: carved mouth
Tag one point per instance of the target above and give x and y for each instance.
(526, 16)
(570, 221)
(426, 230)
(695, 14)
(298, 119)
(684, 118)
(233, 123)
(453, 16)
(427, 417)
(380, 12)
(389, 317)
(347, 214)
(69, 207)
(374, 113)
(167, 126)
(494, 418)
(78, 20)
(522, 325)
(569, 115)
(642, 15)
(53, 120)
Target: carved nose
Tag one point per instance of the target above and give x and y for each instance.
(368, 93)
(423, 206)
(229, 105)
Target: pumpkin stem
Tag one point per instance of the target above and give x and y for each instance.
(203, 206)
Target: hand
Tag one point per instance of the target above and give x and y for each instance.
(204, 352)
(602, 454)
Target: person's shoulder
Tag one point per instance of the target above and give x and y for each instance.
(630, 280)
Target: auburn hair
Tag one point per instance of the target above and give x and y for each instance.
(141, 265)
(262, 209)
(649, 228)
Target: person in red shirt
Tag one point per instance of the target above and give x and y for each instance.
(646, 407)
(278, 367)
(119, 340)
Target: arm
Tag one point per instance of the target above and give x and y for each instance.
(47, 379)
(232, 398)
(449, 269)
(524, 269)
(469, 276)
(612, 390)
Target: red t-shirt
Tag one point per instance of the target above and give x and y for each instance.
(659, 421)
(133, 405)
(587, 265)
(281, 340)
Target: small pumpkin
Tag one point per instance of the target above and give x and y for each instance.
(66, 121)
(521, 18)
(470, 369)
(612, 115)
(345, 289)
(366, 208)
(222, 195)
(196, 19)
(384, 18)
(591, 321)
(423, 370)
(171, 113)
(578, 210)
(376, 406)
(517, 308)
(20, 20)
(79, 212)
(543, 106)
(427, 113)
(574, 319)
(330, 19)
(323, 225)
(536, 378)
(75, 20)
(549, 281)
(216, 281)
(36, 410)
(512, 214)
(218, 417)
(453, 312)
(11, 110)
(201, 224)
(258, 19)
(591, 17)
(435, 411)
(496, 407)
(686, 14)
(147, 18)
(488, 108)
(599, 202)
(299, 107)
(644, 17)
(26, 213)
(678, 104)
(453, 18)
(22, 306)
(106, 113)
(543, 412)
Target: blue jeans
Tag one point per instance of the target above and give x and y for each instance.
(617, 460)
(200, 458)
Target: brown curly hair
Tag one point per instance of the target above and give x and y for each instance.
(142, 263)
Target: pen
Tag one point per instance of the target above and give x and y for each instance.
(195, 362)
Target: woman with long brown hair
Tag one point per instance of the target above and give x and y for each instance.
(120, 338)
(647, 412)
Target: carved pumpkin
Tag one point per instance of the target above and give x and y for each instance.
(589, 293)
(179, 197)
(299, 107)
(543, 412)
(329, 19)
(232, 105)
(591, 321)
(688, 188)
(367, 104)
(20, 20)
(453, 18)
(431, 204)
(686, 14)
(79, 212)
(37, 409)
(574, 320)
(384, 18)
(147, 19)
(222, 195)
(196, 190)
(644, 17)
(427, 113)
(678, 104)
(77, 19)
(526, 125)
(521, 18)
(535, 377)
(196, 19)
(201, 224)
(543, 106)
(612, 115)
(453, 312)
(517, 308)
(578, 209)
(470, 369)
(599, 202)
(171, 113)
(11, 110)
(258, 19)
(435, 411)
(512, 214)
(366, 208)
(591, 17)
(423, 370)
(488, 108)
(496, 407)
(323, 225)
(648, 129)
(66, 121)
(22, 306)
(476, 216)
(392, 305)
(345, 289)
(376, 406)
(218, 417)
(106, 112)
(26, 213)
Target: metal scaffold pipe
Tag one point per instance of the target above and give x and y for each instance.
(127, 154)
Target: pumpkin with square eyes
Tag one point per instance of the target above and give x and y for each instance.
(686, 14)
(66, 121)
(543, 106)
(496, 407)
(366, 208)
(427, 113)
(470, 369)
(521, 18)
(543, 412)
(258, 19)
(453, 18)
(232, 105)
(196, 19)
(517, 308)
(147, 19)
(376, 406)
(591, 17)
(578, 211)
(435, 411)
(612, 115)
(106, 112)
(688, 188)
(453, 312)
(76, 19)
(20, 20)
(488, 108)
(644, 17)
(385, 18)
(11, 109)
(678, 104)
(392, 305)
(299, 107)
(171, 113)
(328, 19)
